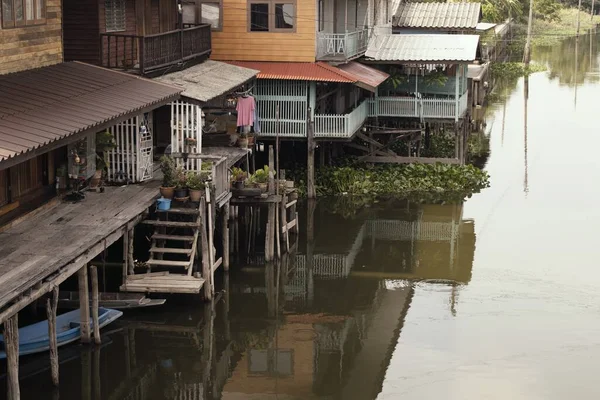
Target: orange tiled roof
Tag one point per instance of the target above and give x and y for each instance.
(298, 71)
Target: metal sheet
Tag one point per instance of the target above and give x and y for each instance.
(423, 48)
(461, 15)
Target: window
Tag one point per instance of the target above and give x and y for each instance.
(114, 12)
(271, 16)
(23, 12)
(202, 12)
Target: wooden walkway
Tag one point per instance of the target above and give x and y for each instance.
(52, 245)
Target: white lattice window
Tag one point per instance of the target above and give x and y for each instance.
(114, 12)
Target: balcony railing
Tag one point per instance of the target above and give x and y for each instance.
(418, 108)
(341, 46)
(341, 126)
(144, 54)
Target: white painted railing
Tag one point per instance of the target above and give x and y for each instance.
(341, 46)
(341, 126)
(389, 106)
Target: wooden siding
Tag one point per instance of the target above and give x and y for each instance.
(81, 28)
(33, 46)
(3, 187)
(234, 42)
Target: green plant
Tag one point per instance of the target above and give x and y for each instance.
(180, 178)
(435, 78)
(104, 141)
(206, 166)
(194, 181)
(237, 174)
(261, 175)
(169, 171)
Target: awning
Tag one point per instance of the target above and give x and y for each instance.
(423, 48)
(301, 71)
(367, 77)
(41, 106)
(208, 80)
(476, 71)
(484, 26)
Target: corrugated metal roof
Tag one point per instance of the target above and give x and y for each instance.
(43, 105)
(437, 15)
(301, 71)
(368, 78)
(424, 48)
(209, 79)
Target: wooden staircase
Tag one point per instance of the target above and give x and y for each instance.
(173, 252)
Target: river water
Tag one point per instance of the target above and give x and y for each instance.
(496, 298)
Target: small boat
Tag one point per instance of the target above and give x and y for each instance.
(34, 338)
(115, 301)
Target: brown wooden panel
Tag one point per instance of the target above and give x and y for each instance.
(3, 187)
(81, 31)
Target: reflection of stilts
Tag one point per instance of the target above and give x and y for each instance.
(576, 67)
(503, 123)
(526, 93)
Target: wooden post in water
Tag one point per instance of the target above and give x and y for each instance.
(310, 243)
(125, 271)
(226, 236)
(84, 304)
(206, 267)
(310, 164)
(527, 52)
(11, 346)
(95, 303)
(51, 306)
(131, 261)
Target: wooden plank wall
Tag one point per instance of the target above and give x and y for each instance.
(81, 31)
(234, 42)
(33, 46)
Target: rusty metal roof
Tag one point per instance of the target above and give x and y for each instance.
(368, 78)
(301, 71)
(423, 48)
(461, 15)
(41, 106)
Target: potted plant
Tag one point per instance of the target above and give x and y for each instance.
(238, 176)
(243, 140)
(104, 142)
(167, 166)
(195, 185)
(251, 140)
(261, 177)
(181, 190)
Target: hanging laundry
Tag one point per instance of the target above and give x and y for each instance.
(245, 111)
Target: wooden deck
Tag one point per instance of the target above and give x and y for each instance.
(162, 283)
(52, 245)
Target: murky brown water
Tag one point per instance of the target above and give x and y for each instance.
(493, 299)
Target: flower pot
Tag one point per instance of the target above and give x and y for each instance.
(195, 195)
(167, 192)
(263, 187)
(238, 184)
(250, 141)
(242, 142)
(181, 193)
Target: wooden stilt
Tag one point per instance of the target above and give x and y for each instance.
(131, 261)
(95, 323)
(11, 346)
(51, 306)
(310, 165)
(125, 256)
(84, 304)
(211, 242)
(284, 231)
(206, 267)
(226, 236)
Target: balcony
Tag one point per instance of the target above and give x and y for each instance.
(341, 126)
(149, 53)
(342, 47)
(412, 107)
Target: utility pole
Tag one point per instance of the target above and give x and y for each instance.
(527, 52)
(578, 17)
(592, 11)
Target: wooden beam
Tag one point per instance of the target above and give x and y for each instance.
(374, 142)
(51, 307)
(95, 302)
(205, 254)
(226, 236)
(130, 259)
(11, 346)
(366, 149)
(409, 160)
(84, 304)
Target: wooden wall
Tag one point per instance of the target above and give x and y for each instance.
(234, 42)
(33, 46)
(81, 31)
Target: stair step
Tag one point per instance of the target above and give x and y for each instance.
(171, 224)
(169, 263)
(160, 236)
(191, 211)
(170, 250)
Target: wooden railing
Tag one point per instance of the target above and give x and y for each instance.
(418, 107)
(143, 54)
(341, 126)
(220, 178)
(341, 46)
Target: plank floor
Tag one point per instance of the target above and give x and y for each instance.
(169, 283)
(39, 246)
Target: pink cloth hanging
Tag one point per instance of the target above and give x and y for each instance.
(245, 111)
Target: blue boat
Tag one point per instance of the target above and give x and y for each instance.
(34, 338)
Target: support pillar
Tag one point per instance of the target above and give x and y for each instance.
(51, 307)
(206, 267)
(226, 236)
(84, 304)
(131, 261)
(95, 304)
(310, 164)
(11, 343)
